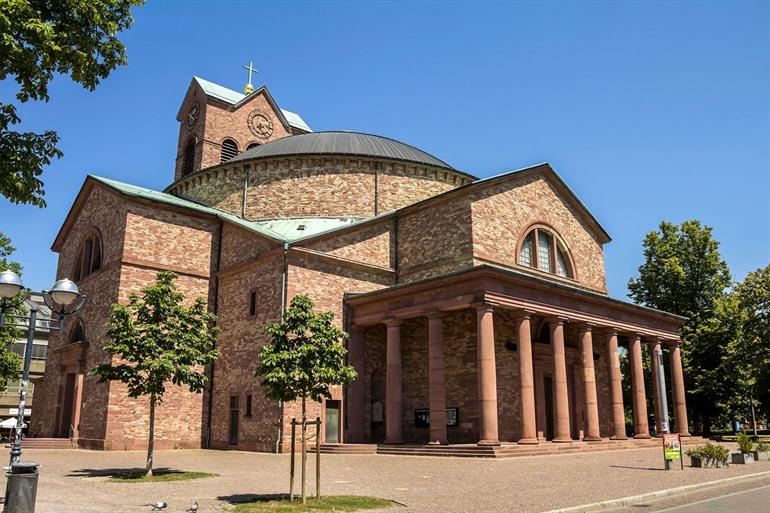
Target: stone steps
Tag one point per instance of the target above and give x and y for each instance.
(47, 443)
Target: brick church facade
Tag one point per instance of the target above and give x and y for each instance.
(482, 301)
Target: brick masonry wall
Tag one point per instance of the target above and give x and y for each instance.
(373, 244)
(502, 212)
(316, 186)
(105, 212)
(435, 240)
(239, 341)
(240, 246)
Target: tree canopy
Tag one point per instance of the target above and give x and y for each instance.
(156, 340)
(41, 39)
(10, 363)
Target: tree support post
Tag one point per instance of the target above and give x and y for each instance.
(318, 457)
(291, 464)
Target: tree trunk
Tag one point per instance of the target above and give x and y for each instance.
(304, 450)
(151, 442)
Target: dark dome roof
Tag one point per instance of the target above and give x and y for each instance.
(341, 143)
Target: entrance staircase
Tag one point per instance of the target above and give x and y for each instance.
(47, 443)
(507, 450)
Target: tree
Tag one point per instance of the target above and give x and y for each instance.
(156, 340)
(10, 362)
(40, 39)
(683, 273)
(304, 357)
(750, 352)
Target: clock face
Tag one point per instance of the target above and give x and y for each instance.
(193, 115)
(260, 124)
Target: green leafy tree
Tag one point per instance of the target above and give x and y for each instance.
(750, 351)
(156, 341)
(304, 357)
(41, 39)
(683, 273)
(10, 362)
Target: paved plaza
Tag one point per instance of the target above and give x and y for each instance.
(72, 481)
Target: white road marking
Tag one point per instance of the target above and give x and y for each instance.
(712, 499)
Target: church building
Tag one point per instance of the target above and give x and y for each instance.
(477, 309)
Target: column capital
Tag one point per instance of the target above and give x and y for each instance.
(482, 306)
(585, 326)
(607, 330)
(556, 319)
(391, 322)
(523, 313)
(673, 343)
(633, 336)
(652, 340)
(435, 314)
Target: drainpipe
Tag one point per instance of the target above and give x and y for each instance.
(283, 311)
(215, 310)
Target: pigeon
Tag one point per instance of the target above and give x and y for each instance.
(158, 506)
(193, 508)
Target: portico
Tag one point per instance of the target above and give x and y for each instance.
(516, 357)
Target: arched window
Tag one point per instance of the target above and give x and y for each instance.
(252, 145)
(229, 150)
(188, 157)
(78, 333)
(89, 258)
(541, 249)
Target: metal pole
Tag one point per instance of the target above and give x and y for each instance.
(16, 448)
(291, 465)
(753, 419)
(663, 401)
(318, 457)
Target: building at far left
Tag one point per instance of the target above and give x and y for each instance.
(9, 399)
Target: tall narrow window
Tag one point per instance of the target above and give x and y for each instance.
(188, 157)
(89, 258)
(253, 303)
(544, 251)
(229, 150)
(525, 255)
(249, 402)
(541, 249)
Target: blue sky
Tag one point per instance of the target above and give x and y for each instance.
(649, 110)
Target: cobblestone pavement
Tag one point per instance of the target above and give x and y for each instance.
(72, 481)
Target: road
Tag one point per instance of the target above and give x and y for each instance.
(747, 496)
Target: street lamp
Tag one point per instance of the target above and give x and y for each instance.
(62, 295)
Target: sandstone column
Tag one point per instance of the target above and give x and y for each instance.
(589, 385)
(616, 387)
(527, 419)
(487, 377)
(436, 379)
(677, 385)
(393, 383)
(356, 397)
(654, 345)
(641, 429)
(561, 395)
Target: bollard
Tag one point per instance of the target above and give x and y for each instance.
(22, 488)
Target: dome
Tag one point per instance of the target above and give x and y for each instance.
(341, 143)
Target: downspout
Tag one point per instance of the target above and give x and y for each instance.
(376, 188)
(215, 311)
(283, 311)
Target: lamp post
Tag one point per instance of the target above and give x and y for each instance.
(64, 298)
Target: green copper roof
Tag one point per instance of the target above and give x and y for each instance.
(170, 199)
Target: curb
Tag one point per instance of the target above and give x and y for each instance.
(627, 501)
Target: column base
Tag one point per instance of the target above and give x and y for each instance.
(528, 441)
(562, 440)
(685, 435)
(438, 442)
(617, 437)
(642, 436)
(488, 442)
(393, 442)
(592, 439)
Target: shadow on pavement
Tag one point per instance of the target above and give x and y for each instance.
(118, 472)
(252, 497)
(638, 468)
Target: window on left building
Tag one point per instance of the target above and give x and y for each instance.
(90, 257)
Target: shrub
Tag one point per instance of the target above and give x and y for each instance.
(745, 444)
(762, 447)
(709, 453)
